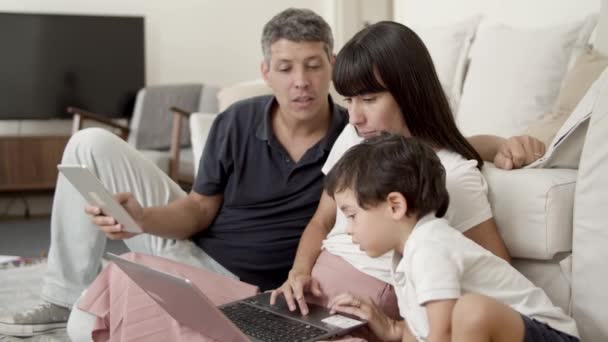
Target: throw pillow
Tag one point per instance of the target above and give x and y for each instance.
(587, 68)
(514, 77)
(449, 47)
(241, 91)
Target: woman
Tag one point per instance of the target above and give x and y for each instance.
(390, 84)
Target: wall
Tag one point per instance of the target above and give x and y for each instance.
(350, 16)
(515, 12)
(189, 40)
(211, 41)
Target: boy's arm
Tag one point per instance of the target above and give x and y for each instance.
(438, 287)
(406, 334)
(439, 314)
(399, 331)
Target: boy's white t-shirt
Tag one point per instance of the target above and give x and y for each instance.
(468, 207)
(440, 263)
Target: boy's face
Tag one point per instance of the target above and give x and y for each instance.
(299, 74)
(374, 229)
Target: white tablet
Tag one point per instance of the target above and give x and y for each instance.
(97, 195)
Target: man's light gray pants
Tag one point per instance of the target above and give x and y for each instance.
(77, 245)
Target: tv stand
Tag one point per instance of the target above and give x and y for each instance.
(30, 162)
(29, 157)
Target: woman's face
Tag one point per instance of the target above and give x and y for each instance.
(375, 112)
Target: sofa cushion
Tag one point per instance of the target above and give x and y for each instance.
(553, 276)
(449, 47)
(514, 77)
(586, 38)
(585, 71)
(240, 91)
(533, 209)
(161, 159)
(565, 149)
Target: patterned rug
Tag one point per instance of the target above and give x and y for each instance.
(19, 289)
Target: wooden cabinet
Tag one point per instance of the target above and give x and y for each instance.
(30, 162)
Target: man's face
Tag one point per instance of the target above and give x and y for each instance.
(299, 74)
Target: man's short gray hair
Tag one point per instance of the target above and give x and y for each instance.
(297, 25)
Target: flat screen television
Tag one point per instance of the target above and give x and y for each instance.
(49, 62)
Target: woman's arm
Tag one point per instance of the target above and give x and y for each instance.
(309, 248)
(486, 235)
(470, 211)
(512, 153)
(316, 231)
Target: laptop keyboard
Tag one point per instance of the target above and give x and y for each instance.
(267, 326)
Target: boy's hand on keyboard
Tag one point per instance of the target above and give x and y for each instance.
(384, 327)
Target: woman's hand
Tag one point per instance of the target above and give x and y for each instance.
(518, 151)
(384, 327)
(294, 289)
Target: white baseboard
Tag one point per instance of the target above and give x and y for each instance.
(20, 206)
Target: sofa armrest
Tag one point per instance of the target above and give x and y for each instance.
(533, 209)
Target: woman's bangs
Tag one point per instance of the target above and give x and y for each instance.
(354, 74)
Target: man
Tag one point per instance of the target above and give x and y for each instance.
(258, 185)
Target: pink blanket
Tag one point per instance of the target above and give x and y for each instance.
(126, 313)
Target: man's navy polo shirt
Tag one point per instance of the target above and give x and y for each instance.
(268, 199)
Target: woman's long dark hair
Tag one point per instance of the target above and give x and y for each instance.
(388, 56)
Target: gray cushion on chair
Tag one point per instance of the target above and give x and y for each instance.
(161, 159)
(152, 120)
(208, 102)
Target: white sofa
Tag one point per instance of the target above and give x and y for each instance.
(552, 219)
(549, 215)
(538, 211)
(519, 61)
(534, 209)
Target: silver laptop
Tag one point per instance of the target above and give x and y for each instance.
(249, 319)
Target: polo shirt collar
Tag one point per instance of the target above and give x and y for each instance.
(335, 126)
(398, 269)
(264, 129)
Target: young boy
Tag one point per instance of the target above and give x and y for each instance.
(392, 191)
